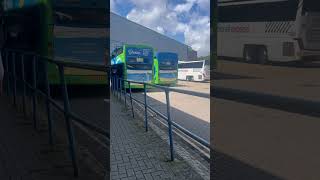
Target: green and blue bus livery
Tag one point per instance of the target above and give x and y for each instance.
(133, 63)
(59, 29)
(165, 69)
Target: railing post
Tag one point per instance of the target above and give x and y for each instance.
(14, 79)
(125, 93)
(145, 107)
(67, 119)
(34, 89)
(112, 86)
(47, 89)
(115, 86)
(131, 99)
(169, 124)
(7, 73)
(120, 85)
(23, 86)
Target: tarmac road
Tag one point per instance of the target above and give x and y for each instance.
(255, 141)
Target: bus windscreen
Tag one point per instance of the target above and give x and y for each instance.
(167, 64)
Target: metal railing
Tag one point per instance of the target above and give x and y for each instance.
(119, 89)
(11, 85)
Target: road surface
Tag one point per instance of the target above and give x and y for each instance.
(257, 142)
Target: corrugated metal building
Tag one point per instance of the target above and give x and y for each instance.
(125, 31)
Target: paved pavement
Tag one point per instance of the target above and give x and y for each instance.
(136, 154)
(26, 155)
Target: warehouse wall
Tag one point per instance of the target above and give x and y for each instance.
(125, 31)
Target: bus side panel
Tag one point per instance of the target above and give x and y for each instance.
(272, 35)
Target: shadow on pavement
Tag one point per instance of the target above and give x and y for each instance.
(221, 76)
(225, 167)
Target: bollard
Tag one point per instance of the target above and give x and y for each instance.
(23, 86)
(48, 107)
(34, 87)
(169, 124)
(145, 107)
(67, 119)
(14, 79)
(131, 100)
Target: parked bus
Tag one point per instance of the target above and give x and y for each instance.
(269, 30)
(165, 71)
(194, 70)
(60, 29)
(134, 63)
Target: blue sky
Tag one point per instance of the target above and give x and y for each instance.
(187, 21)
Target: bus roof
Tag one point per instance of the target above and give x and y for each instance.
(137, 45)
(167, 53)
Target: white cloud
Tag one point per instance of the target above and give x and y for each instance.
(185, 7)
(197, 34)
(165, 18)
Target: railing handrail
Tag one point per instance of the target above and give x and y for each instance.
(118, 85)
(66, 62)
(65, 108)
(182, 91)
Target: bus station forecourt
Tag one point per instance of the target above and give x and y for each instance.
(135, 63)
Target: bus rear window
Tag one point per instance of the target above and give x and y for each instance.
(190, 65)
(167, 63)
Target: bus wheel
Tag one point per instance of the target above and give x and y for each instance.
(262, 56)
(248, 54)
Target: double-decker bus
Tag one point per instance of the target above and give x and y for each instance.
(165, 71)
(133, 63)
(65, 30)
(194, 70)
(269, 30)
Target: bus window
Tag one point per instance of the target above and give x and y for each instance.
(191, 65)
